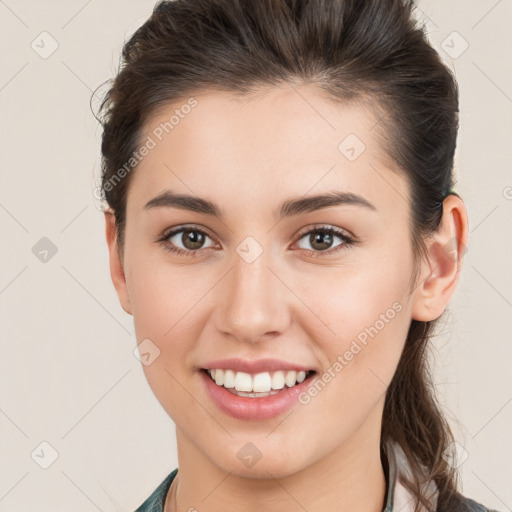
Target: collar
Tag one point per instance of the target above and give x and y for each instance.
(398, 497)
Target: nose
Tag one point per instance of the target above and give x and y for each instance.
(253, 303)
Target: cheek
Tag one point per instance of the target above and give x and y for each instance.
(367, 313)
(163, 312)
(162, 296)
(168, 309)
(356, 301)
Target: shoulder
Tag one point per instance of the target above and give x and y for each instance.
(155, 502)
(399, 464)
(462, 503)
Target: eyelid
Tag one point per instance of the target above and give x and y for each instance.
(326, 227)
(181, 227)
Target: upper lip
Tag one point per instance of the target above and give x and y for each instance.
(255, 366)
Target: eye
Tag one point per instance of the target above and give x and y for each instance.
(191, 238)
(321, 239)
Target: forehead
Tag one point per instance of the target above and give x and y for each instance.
(280, 142)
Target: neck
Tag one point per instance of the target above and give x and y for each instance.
(351, 477)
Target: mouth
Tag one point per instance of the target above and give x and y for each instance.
(251, 396)
(258, 385)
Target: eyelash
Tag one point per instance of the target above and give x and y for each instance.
(347, 241)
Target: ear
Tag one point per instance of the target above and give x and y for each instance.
(440, 274)
(116, 264)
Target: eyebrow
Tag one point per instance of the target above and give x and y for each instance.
(289, 208)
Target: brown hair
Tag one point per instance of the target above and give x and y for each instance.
(353, 50)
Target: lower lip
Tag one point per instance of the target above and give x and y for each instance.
(262, 408)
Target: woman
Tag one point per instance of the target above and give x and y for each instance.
(282, 226)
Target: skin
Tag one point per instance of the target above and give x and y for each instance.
(249, 156)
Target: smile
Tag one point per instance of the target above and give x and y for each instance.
(259, 384)
(257, 396)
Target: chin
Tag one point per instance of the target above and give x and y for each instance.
(276, 465)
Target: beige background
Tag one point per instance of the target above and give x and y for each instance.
(68, 373)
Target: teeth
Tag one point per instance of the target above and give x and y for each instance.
(290, 379)
(229, 379)
(243, 381)
(278, 380)
(259, 383)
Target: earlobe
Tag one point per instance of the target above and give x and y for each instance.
(440, 273)
(116, 265)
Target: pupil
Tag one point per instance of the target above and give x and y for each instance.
(193, 239)
(320, 238)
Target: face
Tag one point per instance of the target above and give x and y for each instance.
(251, 283)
